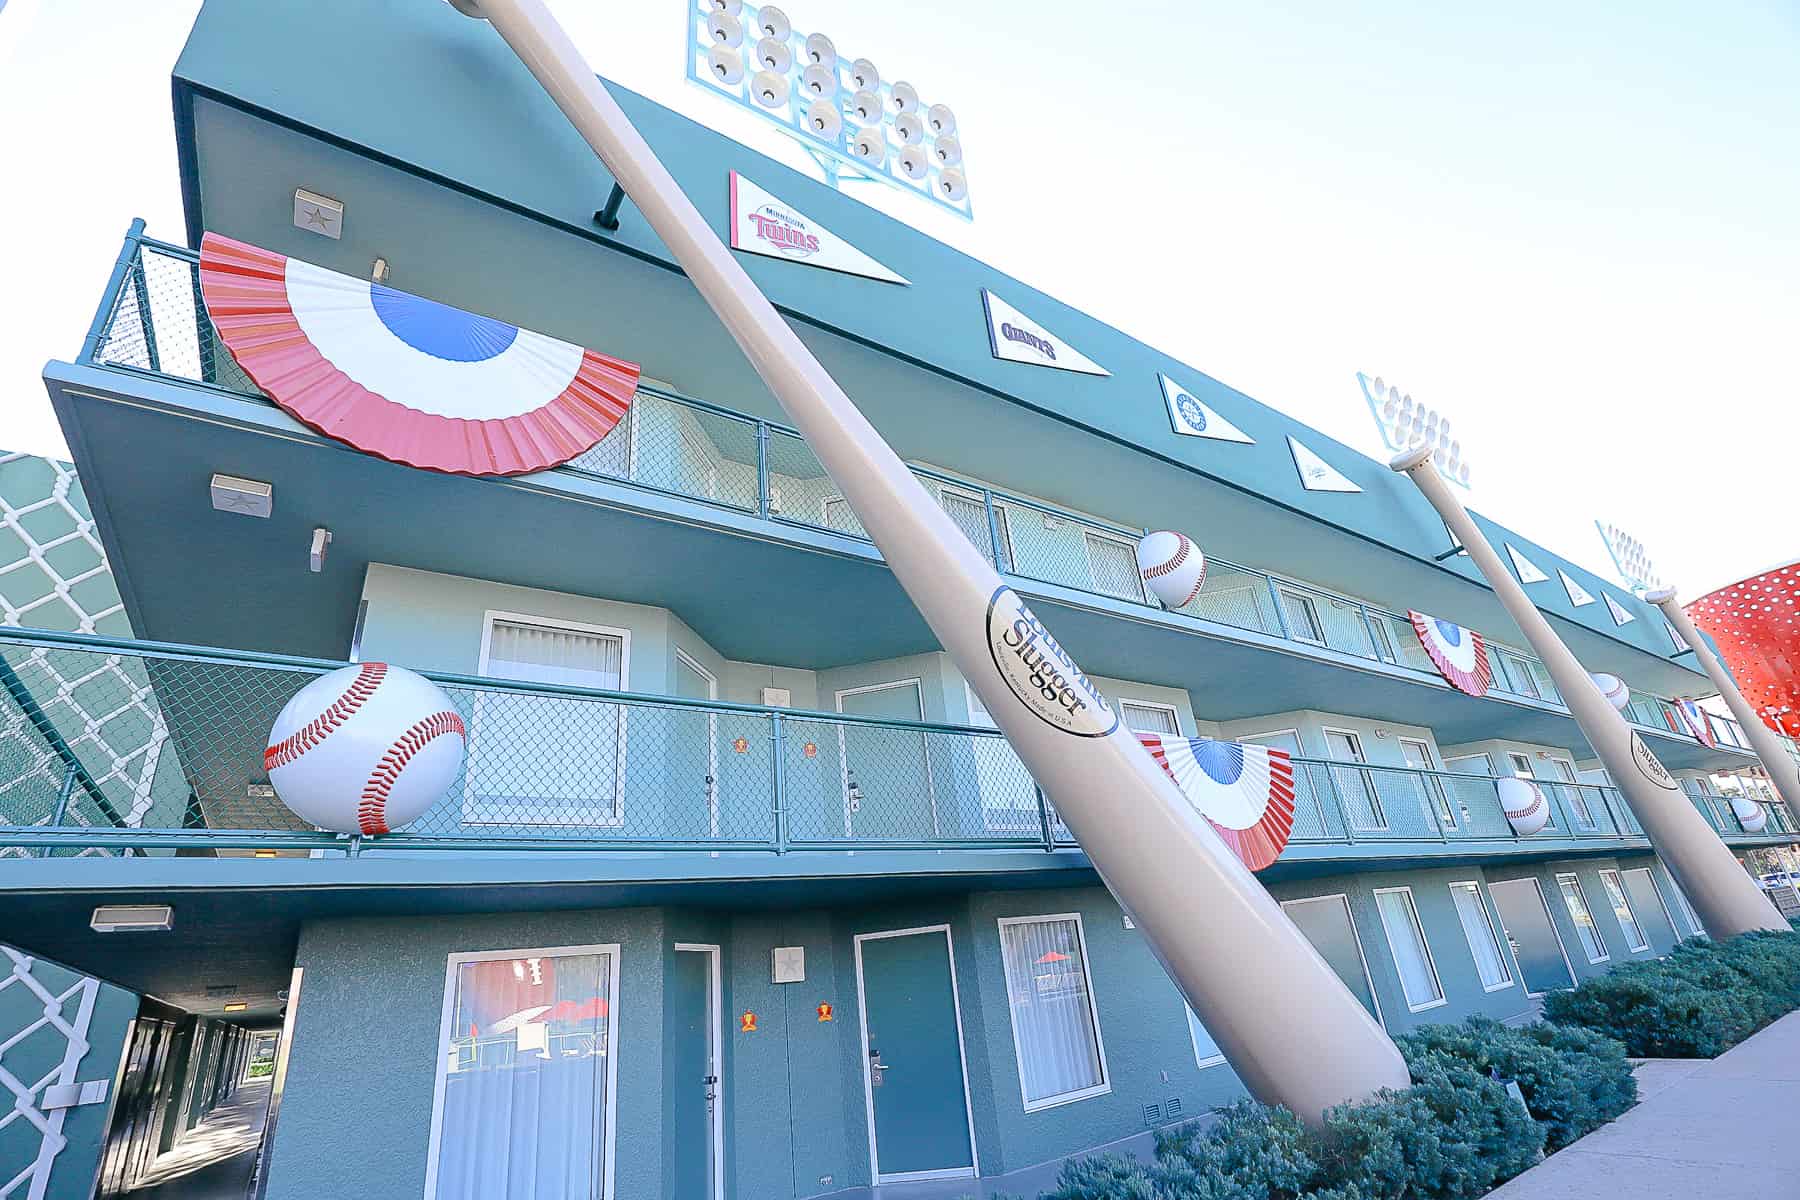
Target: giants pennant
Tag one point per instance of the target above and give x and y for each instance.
(1245, 792)
(406, 378)
(1460, 654)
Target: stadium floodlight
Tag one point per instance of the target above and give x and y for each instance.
(844, 116)
(1406, 425)
(1629, 559)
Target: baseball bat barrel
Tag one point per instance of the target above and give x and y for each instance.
(1292, 1030)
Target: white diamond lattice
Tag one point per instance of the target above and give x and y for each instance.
(35, 1175)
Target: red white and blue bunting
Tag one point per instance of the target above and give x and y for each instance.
(1246, 792)
(1694, 717)
(406, 378)
(1460, 654)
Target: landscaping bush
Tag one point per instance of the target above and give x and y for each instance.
(1573, 1080)
(1701, 1000)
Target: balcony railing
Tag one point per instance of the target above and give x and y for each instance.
(155, 321)
(110, 746)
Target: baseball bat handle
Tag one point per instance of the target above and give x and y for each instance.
(1293, 1031)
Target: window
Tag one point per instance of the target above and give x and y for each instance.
(971, 516)
(543, 760)
(1206, 1051)
(1281, 739)
(1484, 942)
(1112, 567)
(1418, 757)
(1144, 717)
(1471, 764)
(1573, 796)
(1687, 908)
(1361, 801)
(1384, 641)
(1521, 764)
(1576, 901)
(526, 1075)
(1302, 617)
(1517, 675)
(1412, 955)
(1056, 1034)
(1621, 905)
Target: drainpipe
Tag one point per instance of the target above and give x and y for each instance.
(1782, 770)
(1727, 899)
(1291, 1029)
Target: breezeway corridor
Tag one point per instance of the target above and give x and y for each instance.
(217, 1158)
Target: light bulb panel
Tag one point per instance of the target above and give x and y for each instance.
(1404, 423)
(906, 119)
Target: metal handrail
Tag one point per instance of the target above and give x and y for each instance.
(129, 270)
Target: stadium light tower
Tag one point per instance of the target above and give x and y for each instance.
(1405, 425)
(849, 120)
(1728, 900)
(1630, 560)
(1292, 1030)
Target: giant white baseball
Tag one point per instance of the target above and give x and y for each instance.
(1172, 566)
(365, 749)
(1614, 689)
(1751, 815)
(1527, 811)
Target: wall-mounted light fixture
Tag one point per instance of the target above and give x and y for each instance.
(247, 497)
(132, 918)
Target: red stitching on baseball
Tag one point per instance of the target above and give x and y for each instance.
(1181, 553)
(371, 814)
(342, 709)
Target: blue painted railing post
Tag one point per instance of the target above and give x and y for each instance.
(109, 299)
(1280, 617)
(778, 740)
(993, 522)
(762, 469)
(1044, 829)
(1369, 629)
(62, 804)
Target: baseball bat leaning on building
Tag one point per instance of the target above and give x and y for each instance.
(1292, 1030)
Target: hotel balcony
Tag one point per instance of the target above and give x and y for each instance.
(685, 495)
(124, 747)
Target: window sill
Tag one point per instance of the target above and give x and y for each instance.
(1032, 1106)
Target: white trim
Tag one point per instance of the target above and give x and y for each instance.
(1424, 944)
(1343, 899)
(1159, 706)
(1662, 901)
(487, 634)
(1087, 979)
(1624, 898)
(1299, 746)
(712, 739)
(1193, 1020)
(1089, 535)
(917, 683)
(1562, 948)
(862, 1018)
(1312, 610)
(1493, 932)
(715, 1009)
(1605, 954)
(1376, 808)
(610, 1116)
(1437, 793)
(979, 498)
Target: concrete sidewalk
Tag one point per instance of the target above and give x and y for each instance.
(1723, 1129)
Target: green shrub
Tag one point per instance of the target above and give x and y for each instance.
(1573, 1080)
(1701, 1000)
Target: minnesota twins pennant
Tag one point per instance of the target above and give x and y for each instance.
(406, 378)
(1460, 654)
(1696, 722)
(1245, 792)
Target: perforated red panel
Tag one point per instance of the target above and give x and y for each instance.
(1757, 625)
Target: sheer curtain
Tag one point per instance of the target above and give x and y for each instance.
(1407, 940)
(525, 1094)
(548, 760)
(1480, 932)
(1584, 920)
(1052, 1011)
(1621, 906)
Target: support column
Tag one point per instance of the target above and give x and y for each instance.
(1775, 760)
(1728, 900)
(1288, 1025)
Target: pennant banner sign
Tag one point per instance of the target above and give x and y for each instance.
(405, 378)
(1245, 792)
(1695, 719)
(1620, 614)
(1578, 595)
(1529, 572)
(1191, 417)
(1016, 338)
(1317, 475)
(1460, 654)
(761, 224)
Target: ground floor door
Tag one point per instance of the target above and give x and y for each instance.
(917, 1092)
(1536, 945)
(696, 1071)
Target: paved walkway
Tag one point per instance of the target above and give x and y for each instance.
(216, 1158)
(1724, 1129)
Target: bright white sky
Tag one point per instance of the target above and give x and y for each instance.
(1571, 228)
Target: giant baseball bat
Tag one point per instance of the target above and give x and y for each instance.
(1292, 1030)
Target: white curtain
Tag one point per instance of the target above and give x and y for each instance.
(525, 1096)
(1142, 718)
(1480, 931)
(1584, 920)
(548, 760)
(1052, 1013)
(1615, 892)
(1407, 940)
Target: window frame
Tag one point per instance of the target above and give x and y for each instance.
(1501, 948)
(1624, 898)
(1195, 1024)
(1605, 954)
(1104, 1087)
(1311, 608)
(1090, 535)
(1343, 899)
(1158, 705)
(488, 620)
(979, 498)
(1449, 765)
(1433, 785)
(610, 1118)
(1418, 922)
(1377, 809)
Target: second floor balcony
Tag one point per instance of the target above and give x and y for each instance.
(140, 748)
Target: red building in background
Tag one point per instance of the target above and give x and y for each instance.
(1756, 623)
